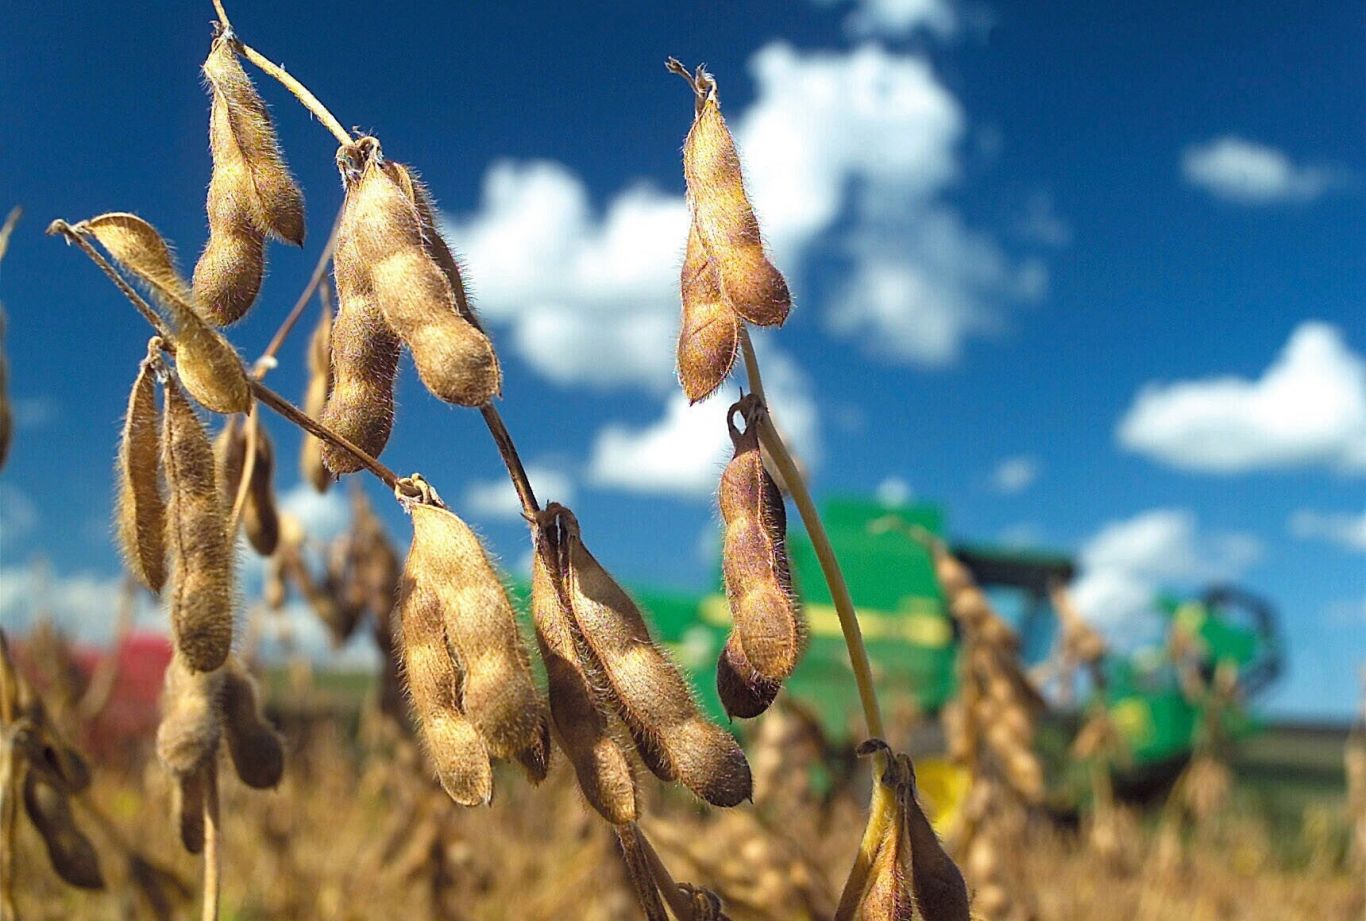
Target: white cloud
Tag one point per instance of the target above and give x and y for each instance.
(83, 604)
(18, 516)
(1015, 474)
(322, 516)
(1307, 409)
(1250, 173)
(1345, 529)
(865, 139)
(496, 498)
(1127, 563)
(36, 411)
(898, 18)
(894, 490)
(683, 452)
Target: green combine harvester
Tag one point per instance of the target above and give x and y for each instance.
(913, 641)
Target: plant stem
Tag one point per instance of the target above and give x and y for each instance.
(306, 422)
(151, 316)
(676, 899)
(820, 542)
(287, 326)
(301, 92)
(239, 501)
(508, 451)
(213, 857)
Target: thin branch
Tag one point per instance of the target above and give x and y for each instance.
(239, 501)
(508, 451)
(820, 542)
(286, 327)
(676, 898)
(60, 226)
(306, 422)
(300, 91)
(222, 15)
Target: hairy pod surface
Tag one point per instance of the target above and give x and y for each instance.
(191, 717)
(140, 505)
(754, 556)
(251, 193)
(315, 398)
(603, 771)
(434, 683)
(709, 336)
(454, 359)
(755, 290)
(432, 239)
(650, 695)
(743, 691)
(197, 535)
(365, 354)
(255, 747)
(209, 368)
(940, 892)
(450, 568)
(68, 849)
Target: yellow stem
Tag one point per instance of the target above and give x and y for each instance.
(677, 901)
(319, 273)
(213, 857)
(820, 542)
(239, 501)
(301, 92)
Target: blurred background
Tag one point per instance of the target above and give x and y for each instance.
(1078, 288)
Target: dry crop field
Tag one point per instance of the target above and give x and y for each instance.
(544, 766)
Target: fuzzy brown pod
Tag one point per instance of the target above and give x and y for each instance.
(260, 515)
(448, 568)
(434, 680)
(365, 353)
(755, 290)
(432, 239)
(709, 335)
(254, 745)
(251, 193)
(68, 849)
(743, 691)
(140, 505)
(645, 687)
(382, 228)
(315, 397)
(209, 368)
(584, 732)
(201, 600)
(191, 717)
(754, 554)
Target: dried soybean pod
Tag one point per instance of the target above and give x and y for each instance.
(722, 214)
(434, 681)
(709, 336)
(253, 743)
(250, 195)
(454, 359)
(365, 355)
(260, 518)
(277, 204)
(197, 535)
(315, 397)
(743, 691)
(432, 239)
(229, 457)
(68, 849)
(650, 695)
(209, 368)
(140, 505)
(603, 771)
(940, 893)
(451, 568)
(754, 554)
(191, 717)
(187, 809)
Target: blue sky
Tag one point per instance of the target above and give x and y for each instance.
(1090, 277)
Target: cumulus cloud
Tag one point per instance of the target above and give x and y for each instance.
(322, 515)
(83, 604)
(894, 490)
(1307, 409)
(683, 452)
(1346, 529)
(1015, 474)
(899, 18)
(1127, 563)
(497, 499)
(864, 140)
(1249, 173)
